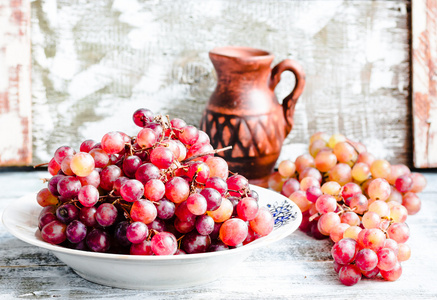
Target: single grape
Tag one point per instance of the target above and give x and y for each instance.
(142, 116)
(393, 274)
(204, 225)
(218, 184)
(387, 259)
(366, 259)
(263, 222)
(380, 168)
(196, 243)
(188, 135)
(352, 232)
(76, 231)
(360, 172)
(344, 251)
(68, 187)
(237, 184)
(290, 186)
(142, 248)
(108, 176)
(53, 167)
(325, 204)
(47, 214)
(165, 209)
(247, 209)
(404, 252)
(349, 275)
(337, 232)
(63, 152)
(88, 195)
(143, 211)
(286, 168)
(224, 211)
(45, 198)
(164, 243)
(132, 190)
(92, 179)
(177, 190)
(304, 161)
(341, 173)
(217, 167)
(87, 216)
(379, 189)
(147, 172)
(327, 222)
(213, 198)
(299, 198)
(98, 240)
(336, 138)
(112, 142)
(308, 182)
(350, 218)
(67, 213)
(82, 164)
(234, 231)
(325, 160)
(137, 232)
(54, 232)
(371, 220)
(419, 182)
(400, 232)
(310, 172)
(313, 193)
(412, 203)
(197, 204)
(198, 170)
(106, 214)
(87, 145)
(183, 213)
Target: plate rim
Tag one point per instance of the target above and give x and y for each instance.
(12, 227)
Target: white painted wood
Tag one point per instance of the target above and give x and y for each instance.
(298, 267)
(15, 93)
(424, 49)
(91, 73)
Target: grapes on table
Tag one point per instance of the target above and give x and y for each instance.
(359, 201)
(159, 192)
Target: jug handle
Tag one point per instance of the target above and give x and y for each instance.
(289, 102)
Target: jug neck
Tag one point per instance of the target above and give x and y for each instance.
(241, 63)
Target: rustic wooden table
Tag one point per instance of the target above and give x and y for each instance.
(296, 267)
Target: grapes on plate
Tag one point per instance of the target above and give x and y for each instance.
(160, 191)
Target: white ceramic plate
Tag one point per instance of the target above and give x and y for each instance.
(151, 272)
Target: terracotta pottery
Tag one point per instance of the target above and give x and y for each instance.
(243, 112)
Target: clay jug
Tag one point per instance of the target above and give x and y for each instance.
(243, 111)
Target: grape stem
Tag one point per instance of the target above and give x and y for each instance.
(206, 153)
(40, 165)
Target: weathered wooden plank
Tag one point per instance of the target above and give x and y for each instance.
(15, 93)
(90, 74)
(425, 83)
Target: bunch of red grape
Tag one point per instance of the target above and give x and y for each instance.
(161, 192)
(359, 202)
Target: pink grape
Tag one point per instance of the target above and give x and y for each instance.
(54, 232)
(154, 190)
(344, 251)
(372, 273)
(143, 211)
(45, 198)
(92, 179)
(196, 243)
(112, 142)
(146, 138)
(400, 232)
(218, 184)
(177, 190)
(53, 167)
(147, 172)
(188, 135)
(237, 184)
(82, 164)
(87, 145)
(366, 259)
(108, 176)
(88, 195)
(98, 240)
(87, 216)
(325, 204)
(223, 212)
(247, 209)
(233, 232)
(217, 167)
(142, 248)
(164, 243)
(106, 214)
(263, 223)
(62, 152)
(349, 275)
(132, 190)
(137, 232)
(161, 157)
(387, 259)
(393, 274)
(411, 202)
(165, 209)
(404, 183)
(142, 116)
(290, 186)
(197, 204)
(131, 165)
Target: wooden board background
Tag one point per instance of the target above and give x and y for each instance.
(15, 83)
(424, 59)
(94, 63)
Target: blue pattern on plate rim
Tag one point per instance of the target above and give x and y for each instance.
(283, 212)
